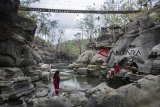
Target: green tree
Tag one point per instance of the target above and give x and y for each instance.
(60, 39)
(78, 39)
(114, 5)
(46, 27)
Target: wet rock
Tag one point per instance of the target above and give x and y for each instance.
(82, 71)
(94, 70)
(75, 66)
(71, 66)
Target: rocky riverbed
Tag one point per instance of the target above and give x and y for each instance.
(24, 76)
(143, 93)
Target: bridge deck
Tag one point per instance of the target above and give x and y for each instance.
(76, 11)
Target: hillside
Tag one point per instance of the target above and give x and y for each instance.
(48, 52)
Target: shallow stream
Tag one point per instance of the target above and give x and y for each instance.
(75, 82)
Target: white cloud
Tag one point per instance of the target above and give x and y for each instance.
(68, 4)
(68, 21)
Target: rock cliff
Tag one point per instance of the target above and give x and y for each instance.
(16, 55)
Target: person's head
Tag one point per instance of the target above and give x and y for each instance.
(56, 73)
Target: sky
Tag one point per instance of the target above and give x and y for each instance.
(68, 21)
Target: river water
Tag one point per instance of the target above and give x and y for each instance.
(75, 82)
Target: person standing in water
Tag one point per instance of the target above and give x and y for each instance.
(56, 80)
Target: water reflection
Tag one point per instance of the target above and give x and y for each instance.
(76, 82)
(72, 83)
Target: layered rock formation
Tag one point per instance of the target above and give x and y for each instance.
(16, 55)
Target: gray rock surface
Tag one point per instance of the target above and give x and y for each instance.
(144, 93)
(82, 71)
(86, 57)
(16, 55)
(56, 101)
(78, 99)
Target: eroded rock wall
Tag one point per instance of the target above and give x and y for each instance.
(16, 55)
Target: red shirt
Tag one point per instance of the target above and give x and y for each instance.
(56, 79)
(116, 68)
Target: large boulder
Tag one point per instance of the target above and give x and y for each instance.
(144, 93)
(122, 44)
(139, 40)
(86, 57)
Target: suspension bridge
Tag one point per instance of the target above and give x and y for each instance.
(77, 11)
